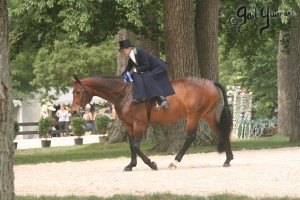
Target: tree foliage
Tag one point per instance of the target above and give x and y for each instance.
(248, 55)
(260, 76)
(40, 26)
(53, 69)
(83, 21)
(22, 71)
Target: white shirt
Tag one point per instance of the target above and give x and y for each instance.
(63, 115)
(132, 56)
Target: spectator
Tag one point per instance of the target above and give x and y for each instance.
(88, 116)
(63, 119)
(51, 109)
(44, 112)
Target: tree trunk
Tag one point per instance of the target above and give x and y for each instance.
(6, 121)
(150, 45)
(179, 37)
(293, 79)
(117, 133)
(184, 59)
(206, 29)
(282, 76)
(206, 34)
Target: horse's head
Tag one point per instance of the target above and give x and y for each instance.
(81, 96)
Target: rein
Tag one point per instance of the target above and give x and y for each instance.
(86, 93)
(120, 93)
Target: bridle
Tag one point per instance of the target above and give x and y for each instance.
(85, 94)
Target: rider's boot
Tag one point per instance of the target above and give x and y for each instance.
(164, 103)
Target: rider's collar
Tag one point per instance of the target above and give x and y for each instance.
(132, 55)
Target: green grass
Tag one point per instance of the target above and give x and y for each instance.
(250, 144)
(162, 196)
(101, 151)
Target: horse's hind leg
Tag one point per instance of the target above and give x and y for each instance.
(191, 127)
(223, 140)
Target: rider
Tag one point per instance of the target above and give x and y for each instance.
(149, 74)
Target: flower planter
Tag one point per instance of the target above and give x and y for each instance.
(78, 141)
(46, 143)
(103, 139)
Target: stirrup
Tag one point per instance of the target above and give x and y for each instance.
(163, 105)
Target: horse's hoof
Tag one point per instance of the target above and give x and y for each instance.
(172, 166)
(153, 166)
(127, 169)
(226, 165)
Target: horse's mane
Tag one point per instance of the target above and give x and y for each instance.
(106, 77)
(199, 79)
(203, 80)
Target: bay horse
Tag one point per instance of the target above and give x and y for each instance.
(194, 98)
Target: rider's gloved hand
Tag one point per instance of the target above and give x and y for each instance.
(127, 77)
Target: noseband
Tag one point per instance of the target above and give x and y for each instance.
(84, 95)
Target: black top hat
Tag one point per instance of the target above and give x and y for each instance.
(124, 44)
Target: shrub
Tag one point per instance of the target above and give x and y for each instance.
(262, 110)
(78, 126)
(101, 123)
(16, 128)
(45, 127)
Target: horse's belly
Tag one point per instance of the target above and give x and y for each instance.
(167, 116)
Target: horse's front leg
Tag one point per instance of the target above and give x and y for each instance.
(136, 139)
(133, 161)
(146, 160)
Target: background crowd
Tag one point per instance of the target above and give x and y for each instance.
(61, 117)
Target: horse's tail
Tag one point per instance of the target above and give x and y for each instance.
(225, 121)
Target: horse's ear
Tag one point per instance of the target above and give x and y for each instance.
(76, 79)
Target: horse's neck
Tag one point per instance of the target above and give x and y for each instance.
(109, 89)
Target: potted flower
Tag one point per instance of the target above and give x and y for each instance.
(16, 131)
(101, 125)
(45, 131)
(78, 129)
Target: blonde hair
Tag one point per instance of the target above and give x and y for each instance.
(44, 108)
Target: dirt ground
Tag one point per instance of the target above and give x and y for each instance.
(256, 173)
